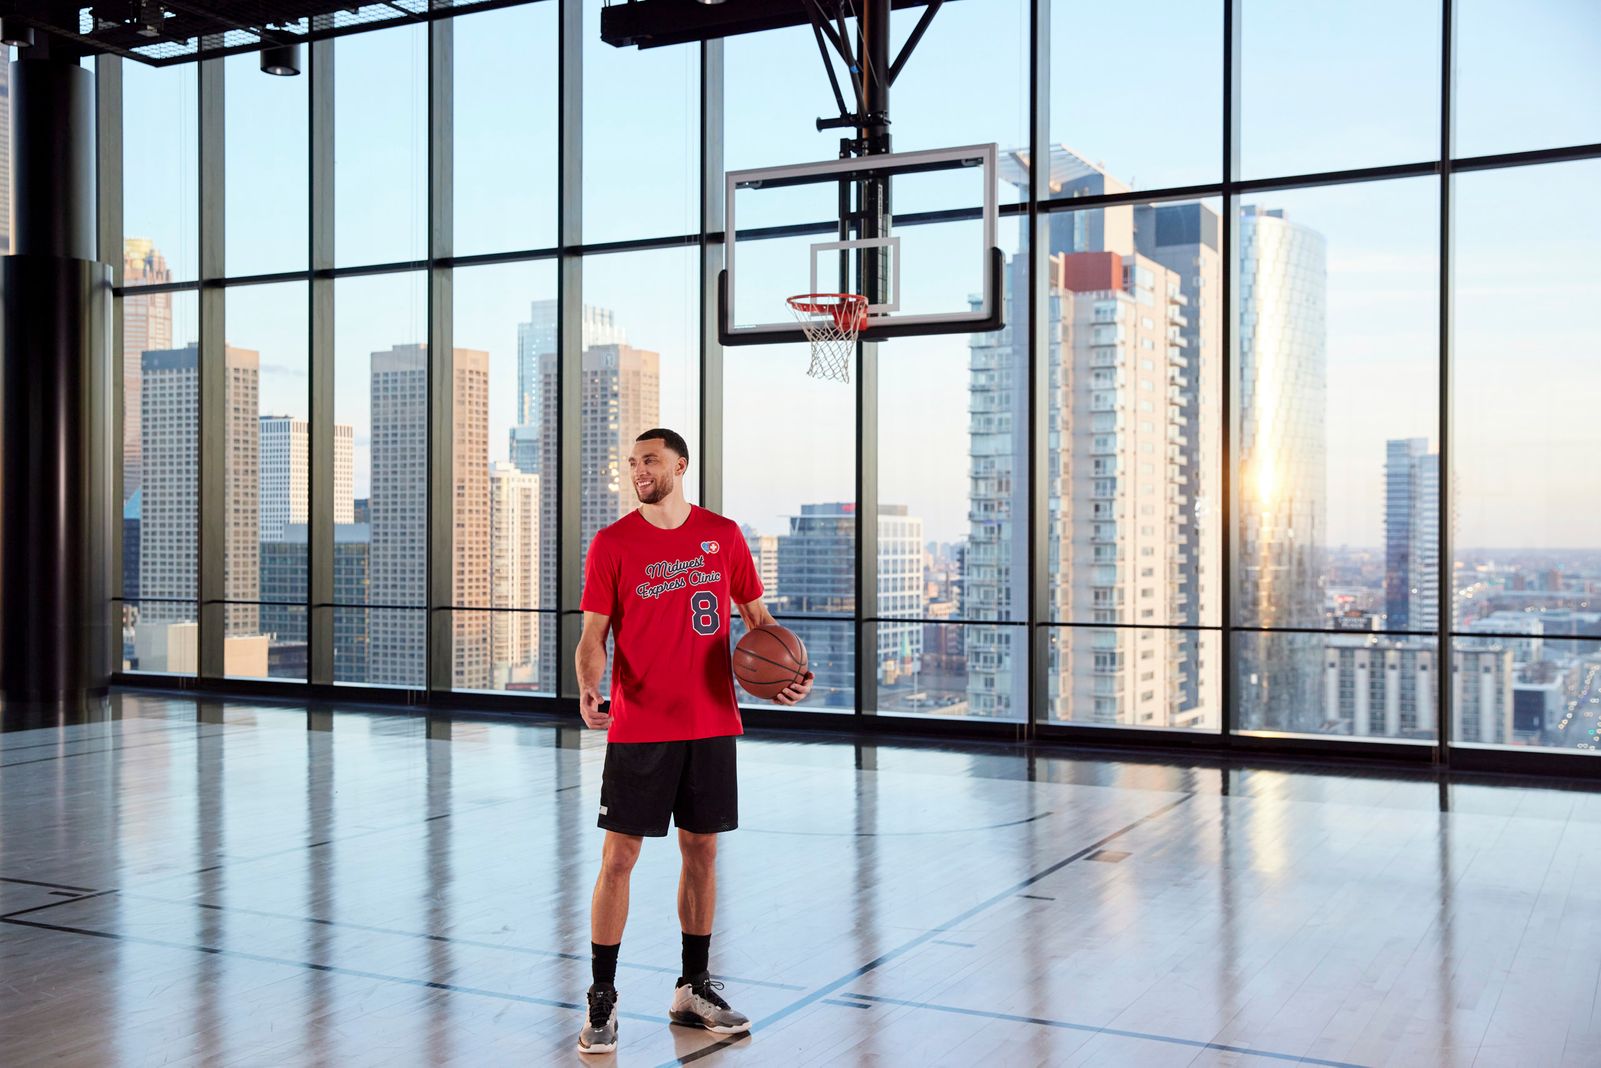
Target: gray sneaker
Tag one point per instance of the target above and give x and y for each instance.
(696, 1003)
(600, 1027)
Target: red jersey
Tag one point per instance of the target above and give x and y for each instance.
(670, 595)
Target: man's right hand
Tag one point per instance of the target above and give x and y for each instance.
(589, 708)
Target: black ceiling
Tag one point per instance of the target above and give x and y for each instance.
(652, 23)
(164, 32)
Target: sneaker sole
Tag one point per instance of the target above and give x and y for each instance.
(598, 1049)
(689, 1019)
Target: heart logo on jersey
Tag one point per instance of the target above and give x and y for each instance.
(709, 547)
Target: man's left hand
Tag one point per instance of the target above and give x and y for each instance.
(795, 692)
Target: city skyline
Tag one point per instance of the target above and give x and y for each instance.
(1130, 322)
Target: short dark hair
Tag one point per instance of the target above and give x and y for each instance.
(674, 440)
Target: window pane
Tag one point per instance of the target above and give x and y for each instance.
(830, 656)
(933, 109)
(1150, 111)
(641, 138)
(504, 320)
(160, 514)
(1337, 441)
(1528, 544)
(1359, 685)
(1134, 443)
(952, 670)
(381, 146)
(267, 178)
(1528, 691)
(641, 370)
(1526, 75)
(796, 505)
(1382, 61)
(160, 165)
(381, 392)
(966, 491)
(774, 89)
(505, 130)
(509, 643)
(268, 442)
(1135, 677)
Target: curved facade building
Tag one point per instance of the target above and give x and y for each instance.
(1281, 493)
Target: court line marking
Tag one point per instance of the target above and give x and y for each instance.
(332, 969)
(526, 950)
(59, 742)
(903, 834)
(48, 886)
(7, 918)
(1010, 892)
(85, 752)
(1089, 1028)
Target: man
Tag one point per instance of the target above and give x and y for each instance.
(661, 579)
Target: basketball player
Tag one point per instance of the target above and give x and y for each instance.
(662, 579)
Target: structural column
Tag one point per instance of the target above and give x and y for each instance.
(56, 456)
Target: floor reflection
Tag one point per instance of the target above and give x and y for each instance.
(214, 882)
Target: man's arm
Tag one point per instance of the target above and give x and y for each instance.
(755, 614)
(591, 664)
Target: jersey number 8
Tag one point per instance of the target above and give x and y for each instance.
(703, 613)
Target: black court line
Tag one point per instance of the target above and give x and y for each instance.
(86, 752)
(1039, 1021)
(901, 834)
(1036, 897)
(845, 1004)
(332, 969)
(8, 917)
(59, 742)
(48, 886)
(446, 939)
(948, 942)
(928, 936)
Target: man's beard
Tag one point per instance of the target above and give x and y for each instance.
(660, 488)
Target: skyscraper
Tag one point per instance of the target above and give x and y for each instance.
(1186, 239)
(470, 580)
(1121, 528)
(1411, 535)
(285, 452)
(619, 396)
(146, 327)
(169, 516)
(1131, 458)
(514, 581)
(1282, 389)
(399, 504)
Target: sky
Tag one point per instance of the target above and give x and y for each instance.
(1135, 88)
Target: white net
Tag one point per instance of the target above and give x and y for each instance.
(832, 322)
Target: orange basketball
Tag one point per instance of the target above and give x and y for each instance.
(767, 659)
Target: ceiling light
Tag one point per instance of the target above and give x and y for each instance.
(15, 34)
(282, 60)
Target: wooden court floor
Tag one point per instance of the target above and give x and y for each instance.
(213, 883)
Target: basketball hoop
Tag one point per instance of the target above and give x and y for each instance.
(832, 322)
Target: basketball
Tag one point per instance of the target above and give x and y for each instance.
(767, 659)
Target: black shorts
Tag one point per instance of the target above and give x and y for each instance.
(694, 782)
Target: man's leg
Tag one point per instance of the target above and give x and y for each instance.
(609, 908)
(697, 884)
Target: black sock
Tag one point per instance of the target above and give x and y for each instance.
(604, 963)
(697, 954)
